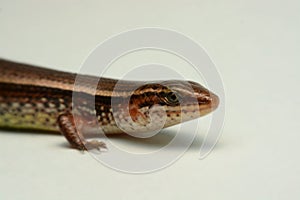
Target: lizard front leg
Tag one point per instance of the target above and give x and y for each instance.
(66, 123)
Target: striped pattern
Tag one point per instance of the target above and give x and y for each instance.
(34, 98)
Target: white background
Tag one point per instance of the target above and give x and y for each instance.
(255, 45)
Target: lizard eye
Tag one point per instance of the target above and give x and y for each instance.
(172, 98)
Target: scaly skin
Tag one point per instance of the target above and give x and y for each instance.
(43, 99)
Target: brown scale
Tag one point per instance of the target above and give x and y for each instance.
(38, 98)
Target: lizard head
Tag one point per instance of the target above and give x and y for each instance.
(171, 102)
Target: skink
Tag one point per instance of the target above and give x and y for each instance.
(43, 99)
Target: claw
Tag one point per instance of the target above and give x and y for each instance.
(95, 144)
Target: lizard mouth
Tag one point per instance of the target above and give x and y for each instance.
(208, 103)
(207, 100)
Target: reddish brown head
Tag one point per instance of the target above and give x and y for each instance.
(176, 101)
